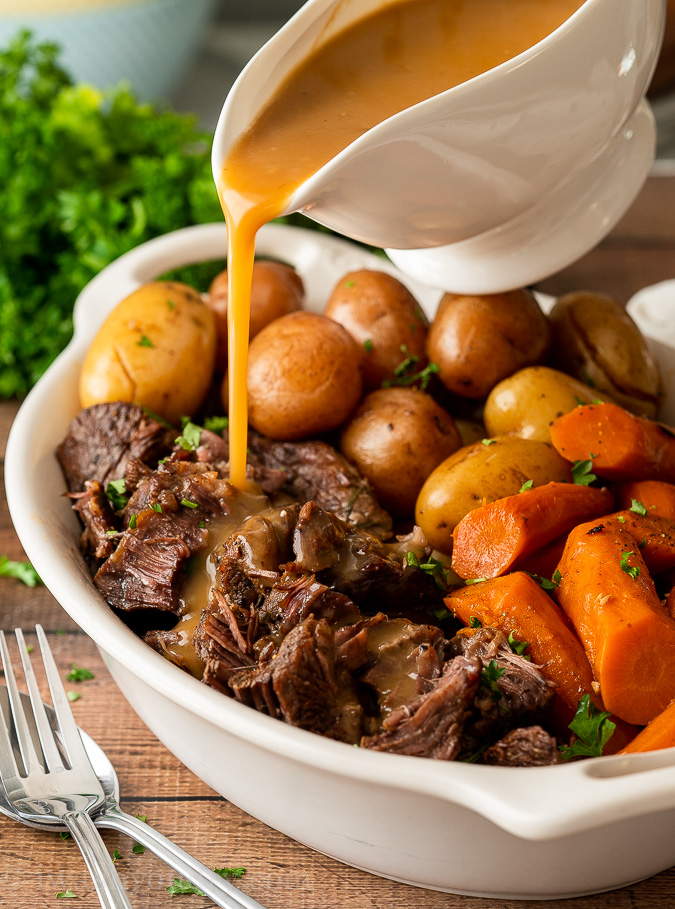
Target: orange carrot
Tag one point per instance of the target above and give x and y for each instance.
(654, 535)
(621, 445)
(657, 497)
(659, 733)
(517, 605)
(609, 597)
(491, 539)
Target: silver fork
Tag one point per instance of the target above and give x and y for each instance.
(63, 790)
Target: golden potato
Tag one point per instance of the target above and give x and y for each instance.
(384, 319)
(478, 341)
(528, 402)
(277, 289)
(396, 438)
(157, 348)
(304, 376)
(483, 472)
(597, 341)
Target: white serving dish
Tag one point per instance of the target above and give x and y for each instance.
(502, 832)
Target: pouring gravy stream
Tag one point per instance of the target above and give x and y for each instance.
(394, 58)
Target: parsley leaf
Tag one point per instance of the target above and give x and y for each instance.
(593, 729)
(368, 345)
(138, 849)
(404, 373)
(469, 581)
(181, 886)
(518, 647)
(526, 485)
(475, 622)
(78, 674)
(186, 503)
(638, 507)
(490, 677)
(487, 442)
(116, 855)
(145, 342)
(116, 492)
(433, 567)
(189, 440)
(73, 696)
(66, 895)
(216, 424)
(632, 570)
(230, 872)
(21, 571)
(581, 473)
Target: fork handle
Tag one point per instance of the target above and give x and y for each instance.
(220, 891)
(103, 873)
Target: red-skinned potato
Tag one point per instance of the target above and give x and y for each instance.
(395, 439)
(479, 340)
(304, 376)
(277, 289)
(384, 319)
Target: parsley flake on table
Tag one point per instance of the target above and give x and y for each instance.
(593, 729)
(73, 696)
(230, 872)
(181, 886)
(116, 855)
(79, 674)
(66, 895)
(20, 571)
(138, 849)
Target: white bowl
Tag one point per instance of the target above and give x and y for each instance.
(493, 831)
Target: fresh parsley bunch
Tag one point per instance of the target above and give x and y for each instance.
(84, 177)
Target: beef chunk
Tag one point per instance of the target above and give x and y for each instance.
(99, 521)
(431, 725)
(529, 746)
(102, 439)
(314, 471)
(317, 539)
(297, 596)
(303, 686)
(145, 569)
(513, 691)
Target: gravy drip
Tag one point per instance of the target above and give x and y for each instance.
(397, 56)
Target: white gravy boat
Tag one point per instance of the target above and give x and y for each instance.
(500, 181)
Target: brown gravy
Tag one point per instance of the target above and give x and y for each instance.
(401, 54)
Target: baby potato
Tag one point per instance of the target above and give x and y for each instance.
(384, 319)
(528, 402)
(482, 472)
(396, 438)
(597, 341)
(277, 289)
(157, 348)
(478, 341)
(304, 376)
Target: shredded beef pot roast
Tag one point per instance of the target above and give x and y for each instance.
(310, 611)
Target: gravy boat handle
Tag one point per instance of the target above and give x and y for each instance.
(216, 888)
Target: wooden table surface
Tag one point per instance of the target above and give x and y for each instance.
(279, 873)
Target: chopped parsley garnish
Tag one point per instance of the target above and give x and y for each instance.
(73, 696)
(433, 567)
(490, 677)
(518, 647)
(21, 571)
(632, 570)
(64, 835)
(116, 855)
(580, 402)
(404, 373)
(192, 433)
(78, 674)
(638, 507)
(475, 622)
(581, 473)
(593, 729)
(216, 424)
(474, 580)
(156, 507)
(547, 584)
(349, 283)
(116, 492)
(526, 485)
(368, 345)
(138, 849)
(170, 304)
(142, 817)
(230, 872)
(620, 518)
(487, 442)
(145, 342)
(188, 504)
(132, 522)
(441, 613)
(66, 895)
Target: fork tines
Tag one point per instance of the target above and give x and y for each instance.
(17, 727)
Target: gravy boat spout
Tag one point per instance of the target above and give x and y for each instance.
(498, 181)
